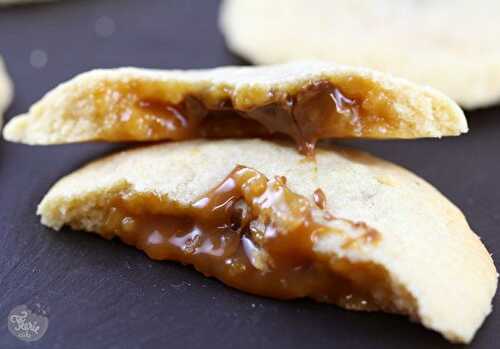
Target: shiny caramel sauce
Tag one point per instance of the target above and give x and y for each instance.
(319, 110)
(319, 198)
(254, 234)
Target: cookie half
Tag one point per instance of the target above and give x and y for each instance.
(306, 101)
(346, 228)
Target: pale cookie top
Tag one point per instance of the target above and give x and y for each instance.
(305, 100)
(425, 245)
(451, 45)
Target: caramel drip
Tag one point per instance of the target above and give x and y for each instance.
(319, 110)
(251, 232)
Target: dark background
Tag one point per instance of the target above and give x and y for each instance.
(102, 294)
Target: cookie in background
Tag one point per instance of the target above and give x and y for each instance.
(21, 2)
(6, 90)
(450, 45)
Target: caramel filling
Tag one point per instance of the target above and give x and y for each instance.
(254, 234)
(319, 110)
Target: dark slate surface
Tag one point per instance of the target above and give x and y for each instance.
(102, 294)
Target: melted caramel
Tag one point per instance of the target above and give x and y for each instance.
(319, 198)
(255, 234)
(319, 110)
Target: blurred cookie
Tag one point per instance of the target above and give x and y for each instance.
(6, 91)
(20, 2)
(450, 45)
